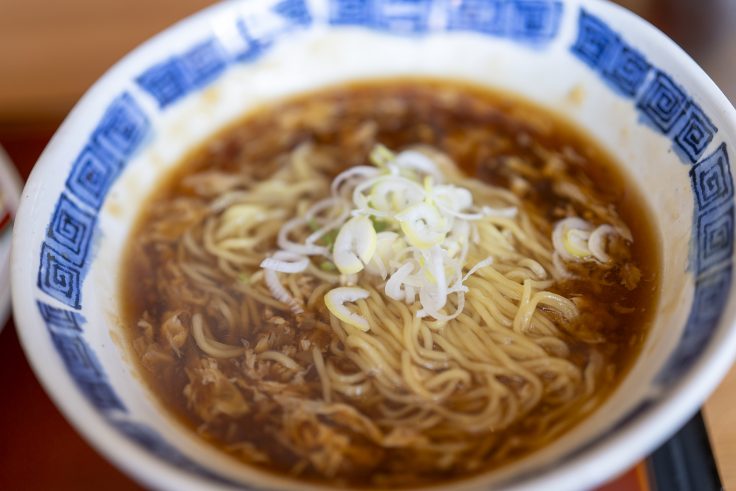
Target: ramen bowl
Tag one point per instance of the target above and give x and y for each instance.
(596, 64)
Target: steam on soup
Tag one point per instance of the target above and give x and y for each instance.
(390, 283)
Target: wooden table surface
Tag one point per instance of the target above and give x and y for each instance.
(51, 51)
(720, 418)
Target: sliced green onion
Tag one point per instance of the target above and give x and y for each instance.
(381, 156)
(336, 299)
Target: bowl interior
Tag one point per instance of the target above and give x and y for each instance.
(631, 88)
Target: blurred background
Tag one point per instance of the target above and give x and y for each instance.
(52, 51)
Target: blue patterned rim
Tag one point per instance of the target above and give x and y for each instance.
(662, 104)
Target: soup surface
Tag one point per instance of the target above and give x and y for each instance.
(380, 377)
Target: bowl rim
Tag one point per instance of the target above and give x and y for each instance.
(606, 457)
(136, 462)
(10, 187)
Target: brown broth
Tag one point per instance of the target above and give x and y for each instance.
(481, 130)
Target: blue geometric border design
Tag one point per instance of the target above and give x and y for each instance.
(59, 278)
(152, 441)
(596, 43)
(712, 182)
(81, 363)
(711, 294)
(295, 10)
(712, 263)
(92, 174)
(65, 329)
(254, 46)
(715, 238)
(122, 128)
(661, 102)
(204, 62)
(714, 212)
(533, 22)
(174, 78)
(70, 230)
(166, 81)
(401, 16)
(621, 66)
(696, 132)
(667, 108)
(627, 71)
(61, 320)
(351, 13)
(486, 17)
(64, 258)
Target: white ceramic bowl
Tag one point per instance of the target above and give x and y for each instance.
(610, 72)
(10, 186)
